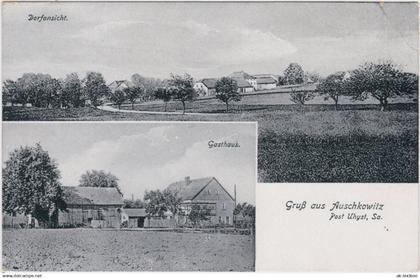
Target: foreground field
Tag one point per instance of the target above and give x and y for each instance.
(314, 143)
(111, 250)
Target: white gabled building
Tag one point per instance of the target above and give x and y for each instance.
(266, 83)
(205, 87)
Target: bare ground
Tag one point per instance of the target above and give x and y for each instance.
(119, 250)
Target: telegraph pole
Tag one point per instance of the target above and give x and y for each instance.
(234, 194)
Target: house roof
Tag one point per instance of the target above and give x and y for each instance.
(135, 212)
(117, 83)
(188, 191)
(210, 83)
(262, 75)
(241, 74)
(73, 195)
(242, 83)
(266, 80)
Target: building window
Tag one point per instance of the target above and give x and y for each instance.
(224, 205)
(227, 220)
(220, 219)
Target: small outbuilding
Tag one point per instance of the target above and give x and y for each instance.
(134, 217)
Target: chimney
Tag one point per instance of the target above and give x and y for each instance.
(187, 180)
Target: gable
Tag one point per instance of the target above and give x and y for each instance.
(120, 84)
(213, 191)
(210, 83)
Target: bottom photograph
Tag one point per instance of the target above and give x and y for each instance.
(129, 196)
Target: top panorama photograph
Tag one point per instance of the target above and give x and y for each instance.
(332, 85)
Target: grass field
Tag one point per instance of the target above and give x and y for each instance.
(265, 102)
(314, 143)
(119, 250)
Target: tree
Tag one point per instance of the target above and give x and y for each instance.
(247, 213)
(198, 214)
(24, 87)
(312, 76)
(172, 200)
(409, 84)
(100, 178)
(31, 183)
(333, 87)
(382, 80)
(182, 88)
(148, 85)
(43, 89)
(53, 93)
(294, 74)
(133, 203)
(34, 88)
(118, 97)
(245, 209)
(300, 97)
(164, 94)
(132, 94)
(227, 90)
(72, 91)
(95, 88)
(138, 80)
(10, 92)
(282, 80)
(158, 202)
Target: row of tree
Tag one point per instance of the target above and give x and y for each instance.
(381, 81)
(42, 90)
(181, 88)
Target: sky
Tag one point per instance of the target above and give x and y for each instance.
(144, 155)
(206, 39)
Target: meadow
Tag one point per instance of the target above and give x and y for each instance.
(120, 250)
(310, 143)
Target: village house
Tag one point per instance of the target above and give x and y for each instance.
(98, 207)
(276, 77)
(265, 83)
(257, 81)
(206, 87)
(119, 85)
(209, 194)
(244, 86)
(241, 75)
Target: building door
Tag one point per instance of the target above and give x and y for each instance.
(140, 222)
